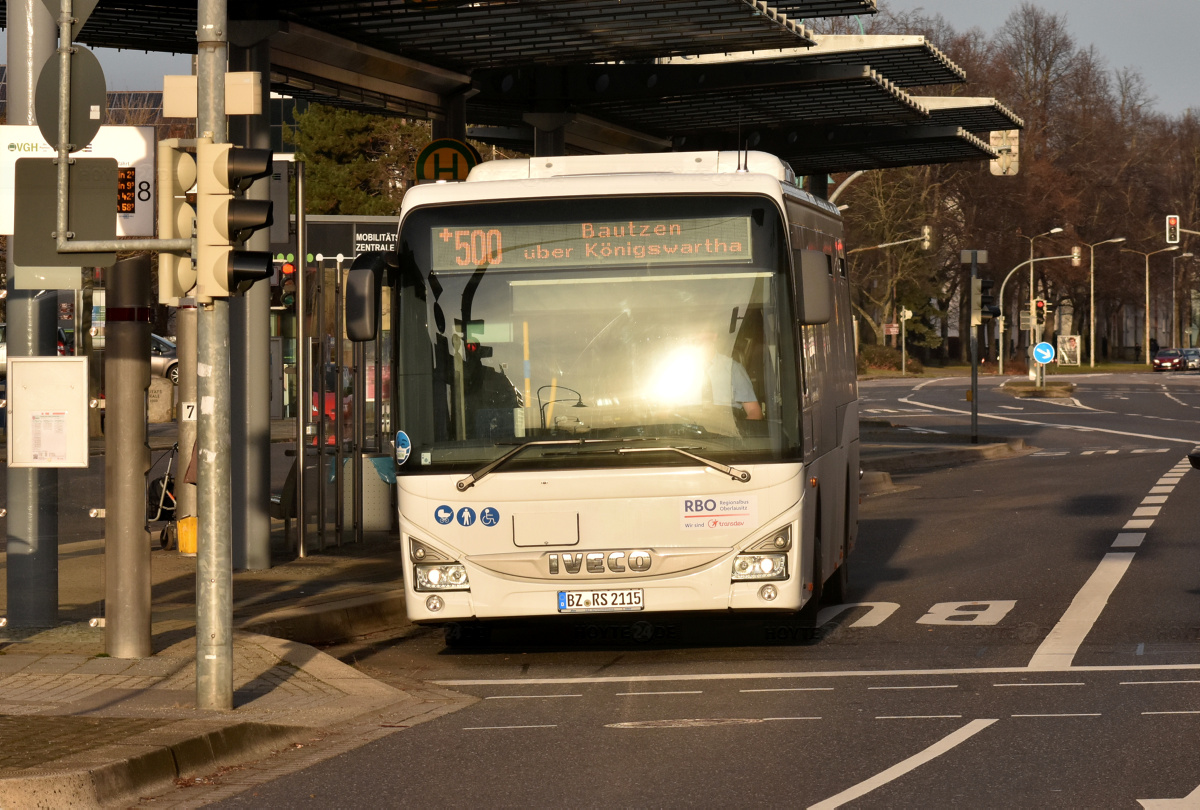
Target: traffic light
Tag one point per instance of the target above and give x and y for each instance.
(1039, 310)
(1172, 229)
(926, 237)
(983, 303)
(287, 286)
(176, 220)
(1076, 256)
(224, 220)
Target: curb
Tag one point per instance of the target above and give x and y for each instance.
(124, 778)
(332, 622)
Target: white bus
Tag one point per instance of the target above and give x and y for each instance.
(621, 384)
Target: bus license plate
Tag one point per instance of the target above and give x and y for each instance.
(600, 601)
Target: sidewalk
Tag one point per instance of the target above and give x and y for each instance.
(78, 729)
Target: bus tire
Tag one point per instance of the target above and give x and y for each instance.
(839, 584)
(808, 613)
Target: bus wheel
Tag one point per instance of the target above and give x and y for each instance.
(839, 584)
(808, 613)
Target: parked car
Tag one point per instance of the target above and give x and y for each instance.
(164, 358)
(1193, 358)
(1170, 360)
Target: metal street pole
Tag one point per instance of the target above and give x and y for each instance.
(1146, 340)
(1092, 298)
(1176, 334)
(214, 541)
(1032, 293)
(32, 524)
(1000, 297)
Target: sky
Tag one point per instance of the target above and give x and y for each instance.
(1155, 37)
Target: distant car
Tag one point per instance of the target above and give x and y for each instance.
(1193, 358)
(1170, 360)
(164, 358)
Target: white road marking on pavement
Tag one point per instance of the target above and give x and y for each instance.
(1147, 511)
(526, 697)
(1129, 539)
(1137, 524)
(1059, 647)
(879, 611)
(1188, 802)
(1136, 683)
(1154, 499)
(1055, 453)
(1097, 714)
(901, 768)
(633, 694)
(1150, 450)
(793, 689)
(757, 676)
(1105, 452)
(1055, 683)
(1012, 408)
(1189, 442)
(1181, 712)
(933, 686)
(1162, 490)
(919, 717)
(498, 728)
(790, 718)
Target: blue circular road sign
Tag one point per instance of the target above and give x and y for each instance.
(1043, 353)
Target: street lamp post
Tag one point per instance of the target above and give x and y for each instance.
(1092, 292)
(1176, 335)
(1033, 294)
(1146, 340)
(1000, 298)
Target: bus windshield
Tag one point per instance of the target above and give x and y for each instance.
(661, 322)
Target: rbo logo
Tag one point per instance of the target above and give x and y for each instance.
(699, 505)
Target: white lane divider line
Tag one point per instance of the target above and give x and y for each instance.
(1137, 524)
(770, 719)
(1129, 539)
(1194, 711)
(1059, 648)
(793, 689)
(932, 686)
(1054, 683)
(1162, 490)
(502, 728)
(527, 697)
(901, 768)
(1150, 450)
(919, 717)
(1147, 511)
(1139, 683)
(636, 694)
(1097, 714)
(1151, 500)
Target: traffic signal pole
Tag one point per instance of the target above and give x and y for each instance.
(214, 540)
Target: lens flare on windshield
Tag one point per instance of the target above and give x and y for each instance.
(677, 378)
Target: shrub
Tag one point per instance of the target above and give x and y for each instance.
(884, 358)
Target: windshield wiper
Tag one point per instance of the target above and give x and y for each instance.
(735, 474)
(491, 466)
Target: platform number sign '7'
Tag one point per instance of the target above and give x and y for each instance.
(188, 411)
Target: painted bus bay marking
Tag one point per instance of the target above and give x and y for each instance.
(901, 768)
(877, 613)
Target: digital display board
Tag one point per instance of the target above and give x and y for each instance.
(127, 190)
(592, 244)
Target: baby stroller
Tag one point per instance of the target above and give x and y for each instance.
(160, 500)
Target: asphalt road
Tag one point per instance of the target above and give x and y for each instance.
(1024, 633)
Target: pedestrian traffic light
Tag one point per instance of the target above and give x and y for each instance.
(224, 219)
(1039, 310)
(983, 303)
(176, 220)
(1172, 229)
(926, 237)
(287, 286)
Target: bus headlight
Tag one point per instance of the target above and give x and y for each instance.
(451, 577)
(759, 567)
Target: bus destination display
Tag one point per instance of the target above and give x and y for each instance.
(700, 240)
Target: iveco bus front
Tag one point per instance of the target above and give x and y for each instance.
(621, 383)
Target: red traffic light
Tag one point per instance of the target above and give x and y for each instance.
(287, 269)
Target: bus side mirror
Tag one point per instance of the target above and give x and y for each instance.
(816, 288)
(364, 292)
